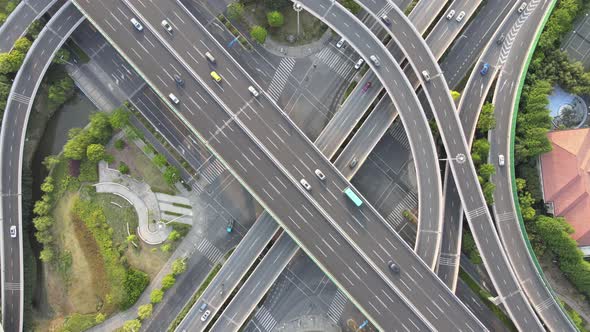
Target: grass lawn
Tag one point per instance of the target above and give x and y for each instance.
(140, 167)
(118, 217)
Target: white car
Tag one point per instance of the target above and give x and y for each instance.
(167, 26)
(136, 24)
(522, 7)
(253, 91)
(305, 185)
(13, 231)
(501, 160)
(358, 64)
(173, 98)
(460, 16)
(451, 14)
(426, 75)
(375, 60)
(320, 174)
(340, 43)
(205, 315)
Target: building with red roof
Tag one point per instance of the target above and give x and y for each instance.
(565, 177)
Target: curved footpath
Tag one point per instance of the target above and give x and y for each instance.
(463, 169)
(20, 19)
(12, 137)
(238, 145)
(512, 232)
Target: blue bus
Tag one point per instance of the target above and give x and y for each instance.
(353, 197)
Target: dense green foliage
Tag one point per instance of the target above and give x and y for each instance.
(95, 152)
(119, 118)
(156, 296)
(133, 325)
(168, 281)
(171, 175)
(351, 5)
(235, 11)
(59, 92)
(469, 247)
(178, 266)
(134, 284)
(487, 120)
(145, 311)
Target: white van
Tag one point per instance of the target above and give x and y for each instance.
(173, 98)
(209, 57)
(136, 24)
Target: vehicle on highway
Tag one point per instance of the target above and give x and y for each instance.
(359, 63)
(230, 225)
(216, 76)
(460, 16)
(375, 60)
(203, 307)
(210, 57)
(173, 98)
(205, 315)
(522, 7)
(13, 231)
(320, 174)
(500, 39)
(340, 43)
(353, 162)
(426, 75)
(353, 197)
(385, 19)
(501, 160)
(451, 14)
(393, 267)
(136, 24)
(178, 80)
(484, 69)
(305, 185)
(366, 86)
(166, 26)
(253, 91)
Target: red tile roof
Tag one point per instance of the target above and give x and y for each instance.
(566, 179)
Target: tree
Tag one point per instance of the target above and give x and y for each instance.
(156, 296)
(134, 284)
(11, 62)
(178, 266)
(275, 19)
(486, 170)
(47, 185)
(95, 152)
(171, 175)
(41, 208)
(34, 29)
(133, 325)
(488, 192)
(160, 160)
(119, 118)
(480, 150)
(257, 33)
(351, 5)
(46, 255)
(235, 11)
(44, 237)
(173, 236)
(100, 129)
(22, 45)
(455, 95)
(119, 144)
(166, 247)
(99, 318)
(62, 56)
(533, 144)
(50, 161)
(59, 92)
(75, 147)
(168, 281)
(145, 311)
(43, 223)
(486, 119)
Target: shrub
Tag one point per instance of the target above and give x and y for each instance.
(275, 19)
(168, 281)
(88, 171)
(135, 283)
(173, 236)
(171, 175)
(123, 168)
(133, 325)
(235, 11)
(100, 317)
(95, 152)
(178, 266)
(119, 144)
(145, 311)
(160, 160)
(119, 118)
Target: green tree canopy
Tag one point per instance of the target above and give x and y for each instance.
(178, 266)
(168, 281)
(156, 296)
(275, 19)
(95, 152)
(486, 119)
(455, 95)
(486, 170)
(133, 325)
(22, 45)
(100, 129)
(351, 5)
(43, 223)
(235, 11)
(145, 311)
(257, 33)
(119, 118)
(171, 175)
(480, 150)
(160, 160)
(11, 62)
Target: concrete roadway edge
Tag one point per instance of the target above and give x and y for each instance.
(204, 141)
(514, 190)
(3, 130)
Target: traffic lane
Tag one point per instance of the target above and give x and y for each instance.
(242, 258)
(466, 50)
(425, 12)
(322, 11)
(255, 288)
(296, 212)
(15, 26)
(209, 124)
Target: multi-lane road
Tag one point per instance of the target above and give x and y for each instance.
(14, 124)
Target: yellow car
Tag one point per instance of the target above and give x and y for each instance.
(216, 76)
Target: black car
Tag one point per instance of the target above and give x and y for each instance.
(178, 80)
(393, 267)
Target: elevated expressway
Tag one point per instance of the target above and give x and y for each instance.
(269, 175)
(12, 138)
(512, 233)
(478, 216)
(20, 19)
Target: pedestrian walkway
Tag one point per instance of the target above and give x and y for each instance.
(266, 320)
(336, 61)
(140, 196)
(337, 306)
(279, 80)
